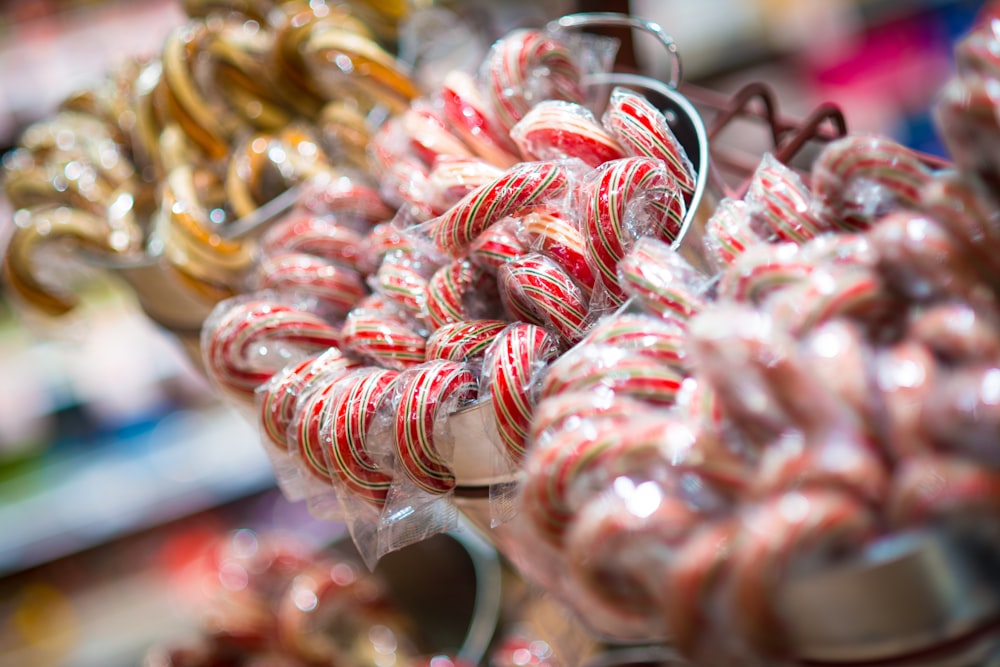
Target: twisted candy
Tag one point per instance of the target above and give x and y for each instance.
(384, 339)
(514, 360)
(425, 395)
(554, 130)
(540, 287)
(336, 288)
(521, 186)
(463, 341)
(246, 343)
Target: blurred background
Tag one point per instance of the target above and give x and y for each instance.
(117, 463)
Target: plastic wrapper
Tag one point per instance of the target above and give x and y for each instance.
(662, 281)
(349, 199)
(402, 175)
(941, 489)
(729, 233)
(451, 178)
(524, 185)
(461, 291)
(663, 341)
(335, 288)
(554, 130)
(429, 135)
(556, 234)
(248, 338)
(384, 338)
(859, 179)
(362, 477)
(384, 239)
(499, 244)
(471, 118)
(403, 279)
(622, 201)
(323, 237)
(412, 430)
(277, 403)
(761, 271)
(781, 205)
(608, 369)
(537, 290)
(965, 117)
(642, 130)
(466, 341)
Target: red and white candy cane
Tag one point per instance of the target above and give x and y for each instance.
(855, 293)
(661, 280)
(642, 130)
(471, 118)
(858, 179)
(521, 186)
(315, 235)
(617, 203)
(691, 583)
(335, 288)
(552, 232)
(425, 395)
(762, 270)
(575, 465)
(962, 414)
(525, 67)
(497, 245)
(729, 232)
(512, 366)
(402, 278)
(660, 340)
(308, 433)
(957, 333)
(451, 178)
(464, 341)
(906, 374)
(966, 119)
(350, 199)
(385, 340)
(452, 289)
(785, 533)
(601, 368)
(352, 410)
(277, 401)
(571, 409)
(556, 130)
(249, 341)
(781, 204)
(966, 208)
(631, 531)
(943, 487)
(547, 291)
(383, 240)
(429, 134)
(920, 259)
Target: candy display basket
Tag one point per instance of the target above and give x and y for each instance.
(711, 405)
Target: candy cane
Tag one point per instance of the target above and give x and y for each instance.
(452, 290)
(250, 341)
(512, 366)
(906, 374)
(940, 487)
(402, 278)
(858, 179)
(521, 186)
(800, 528)
(568, 410)
(497, 245)
(661, 280)
(277, 401)
(957, 333)
(661, 341)
(425, 394)
(613, 533)
(464, 341)
(429, 134)
(642, 130)
(546, 291)
(728, 233)
(782, 203)
(451, 178)
(553, 233)
(351, 414)
(387, 341)
(827, 294)
(336, 288)
(615, 201)
(313, 235)
(470, 117)
(763, 270)
(525, 67)
(607, 369)
(555, 130)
